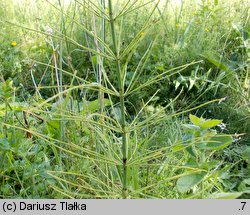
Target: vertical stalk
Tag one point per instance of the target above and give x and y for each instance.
(122, 104)
(98, 74)
(99, 65)
(101, 62)
(60, 76)
(203, 158)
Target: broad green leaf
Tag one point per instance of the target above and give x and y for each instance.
(219, 142)
(233, 195)
(246, 154)
(217, 61)
(53, 127)
(195, 120)
(191, 127)
(201, 145)
(191, 151)
(247, 181)
(93, 106)
(210, 123)
(187, 182)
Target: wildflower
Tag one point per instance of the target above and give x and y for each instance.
(206, 29)
(195, 13)
(177, 25)
(236, 138)
(14, 43)
(49, 30)
(222, 126)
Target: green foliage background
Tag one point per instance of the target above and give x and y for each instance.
(95, 104)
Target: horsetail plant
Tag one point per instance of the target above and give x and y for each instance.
(116, 153)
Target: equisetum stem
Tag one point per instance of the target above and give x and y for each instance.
(203, 158)
(122, 104)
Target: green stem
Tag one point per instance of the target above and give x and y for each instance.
(203, 159)
(122, 104)
(101, 63)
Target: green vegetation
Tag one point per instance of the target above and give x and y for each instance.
(125, 99)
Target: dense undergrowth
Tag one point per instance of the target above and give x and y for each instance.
(124, 99)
